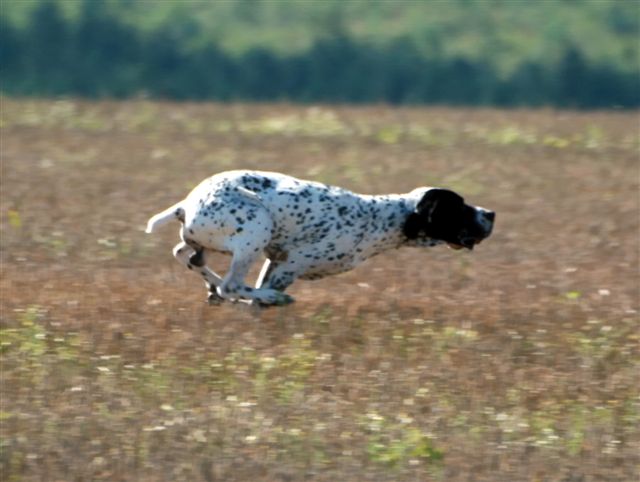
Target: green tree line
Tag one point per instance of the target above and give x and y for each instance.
(97, 54)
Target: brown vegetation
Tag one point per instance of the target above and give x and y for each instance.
(517, 362)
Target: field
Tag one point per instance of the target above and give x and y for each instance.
(518, 361)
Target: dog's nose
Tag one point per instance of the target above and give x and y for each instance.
(490, 215)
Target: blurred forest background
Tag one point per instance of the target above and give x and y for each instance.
(563, 53)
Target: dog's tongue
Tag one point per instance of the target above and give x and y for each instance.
(455, 246)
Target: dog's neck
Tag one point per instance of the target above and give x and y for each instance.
(387, 217)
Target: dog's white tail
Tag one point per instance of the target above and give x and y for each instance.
(174, 212)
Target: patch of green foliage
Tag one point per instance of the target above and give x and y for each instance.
(398, 443)
(467, 52)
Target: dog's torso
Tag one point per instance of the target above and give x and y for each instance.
(322, 229)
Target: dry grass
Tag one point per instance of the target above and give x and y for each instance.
(517, 362)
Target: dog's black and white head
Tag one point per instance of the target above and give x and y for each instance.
(442, 215)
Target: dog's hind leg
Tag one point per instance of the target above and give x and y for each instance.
(247, 245)
(194, 259)
(233, 285)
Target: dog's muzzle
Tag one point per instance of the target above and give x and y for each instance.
(482, 231)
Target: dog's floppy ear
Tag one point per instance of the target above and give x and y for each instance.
(432, 213)
(437, 200)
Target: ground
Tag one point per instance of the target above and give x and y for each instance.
(518, 361)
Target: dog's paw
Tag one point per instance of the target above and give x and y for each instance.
(276, 298)
(214, 299)
(283, 299)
